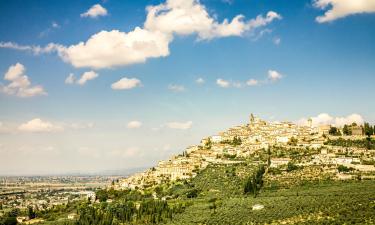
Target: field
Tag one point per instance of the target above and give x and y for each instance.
(221, 201)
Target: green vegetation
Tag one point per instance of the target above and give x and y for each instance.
(235, 142)
(224, 194)
(291, 166)
(334, 131)
(344, 169)
(254, 183)
(10, 218)
(147, 211)
(368, 143)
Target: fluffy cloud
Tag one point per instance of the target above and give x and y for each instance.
(273, 75)
(176, 88)
(86, 76)
(70, 79)
(185, 17)
(108, 49)
(126, 83)
(115, 48)
(180, 125)
(20, 84)
(95, 11)
(252, 82)
(325, 118)
(342, 8)
(37, 125)
(134, 124)
(200, 80)
(223, 83)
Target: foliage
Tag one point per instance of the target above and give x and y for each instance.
(368, 143)
(254, 183)
(10, 218)
(344, 169)
(291, 166)
(235, 142)
(334, 131)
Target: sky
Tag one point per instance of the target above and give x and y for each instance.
(88, 86)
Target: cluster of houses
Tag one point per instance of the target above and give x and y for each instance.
(232, 145)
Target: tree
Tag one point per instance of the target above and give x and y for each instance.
(269, 157)
(31, 213)
(293, 141)
(237, 141)
(254, 182)
(343, 169)
(368, 130)
(334, 131)
(291, 166)
(208, 144)
(346, 130)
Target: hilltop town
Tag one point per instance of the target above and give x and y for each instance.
(319, 150)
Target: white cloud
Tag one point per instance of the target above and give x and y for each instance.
(86, 76)
(342, 8)
(325, 119)
(252, 82)
(223, 83)
(108, 49)
(70, 79)
(273, 75)
(35, 49)
(353, 118)
(134, 124)
(20, 84)
(185, 17)
(180, 125)
(126, 83)
(176, 88)
(37, 125)
(200, 80)
(95, 11)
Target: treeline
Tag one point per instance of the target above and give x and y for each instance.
(367, 143)
(366, 128)
(131, 195)
(254, 182)
(127, 212)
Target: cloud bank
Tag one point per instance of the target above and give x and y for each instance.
(325, 119)
(107, 49)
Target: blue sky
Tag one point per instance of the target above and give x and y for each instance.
(281, 62)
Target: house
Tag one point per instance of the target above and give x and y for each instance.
(356, 130)
(324, 129)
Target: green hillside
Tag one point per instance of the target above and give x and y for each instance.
(217, 196)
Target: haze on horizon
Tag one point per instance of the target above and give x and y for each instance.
(112, 85)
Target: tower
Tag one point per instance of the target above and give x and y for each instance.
(309, 122)
(252, 118)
